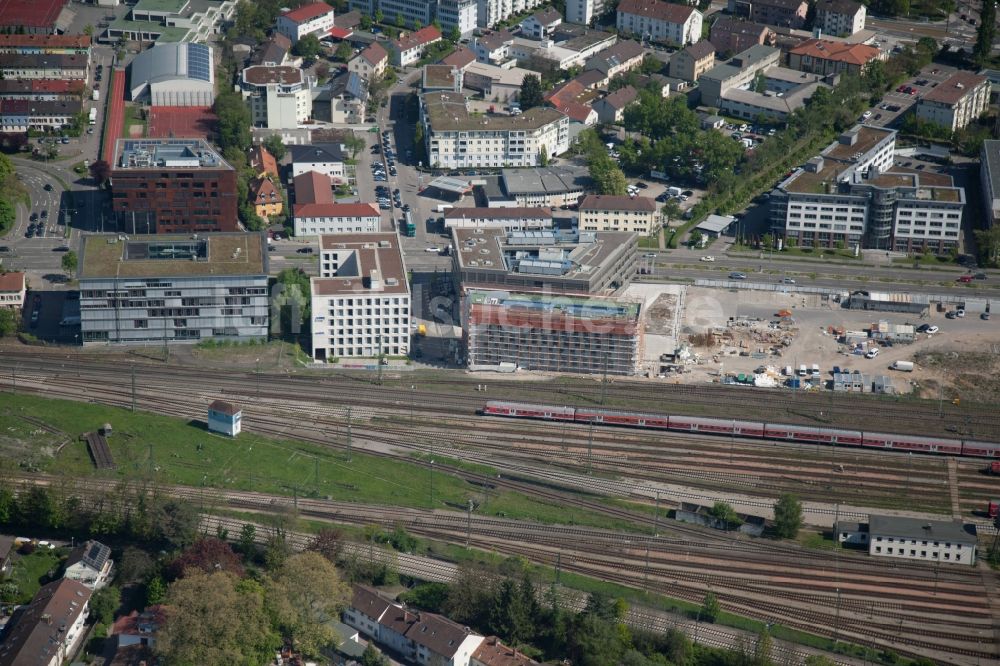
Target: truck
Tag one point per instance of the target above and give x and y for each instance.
(409, 228)
(674, 191)
(902, 366)
(96, 95)
(93, 116)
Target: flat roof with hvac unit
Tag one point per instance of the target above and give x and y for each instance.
(452, 185)
(163, 255)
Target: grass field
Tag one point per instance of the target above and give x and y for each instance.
(186, 453)
(29, 571)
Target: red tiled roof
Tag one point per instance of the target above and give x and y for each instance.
(460, 58)
(340, 33)
(223, 407)
(576, 111)
(30, 13)
(822, 49)
(565, 92)
(655, 9)
(336, 210)
(308, 12)
(10, 282)
(955, 88)
(494, 653)
(374, 53)
(312, 187)
(45, 41)
(262, 161)
(264, 187)
(418, 38)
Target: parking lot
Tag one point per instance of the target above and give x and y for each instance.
(901, 99)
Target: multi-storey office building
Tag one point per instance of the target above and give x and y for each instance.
(172, 186)
(279, 97)
(165, 289)
(361, 301)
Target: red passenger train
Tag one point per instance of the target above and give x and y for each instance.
(754, 429)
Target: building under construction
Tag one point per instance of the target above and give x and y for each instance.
(552, 333)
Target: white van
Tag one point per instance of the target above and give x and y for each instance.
(803, 371)
(902, 366)
(815, 370)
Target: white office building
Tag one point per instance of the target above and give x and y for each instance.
(457, 139)
(361, 301)
(951, 542)
(316, 219)
(279, 97)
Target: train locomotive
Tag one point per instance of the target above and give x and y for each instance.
(741, 428)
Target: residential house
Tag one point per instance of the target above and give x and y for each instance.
(491, 652)
(592, 79)
(370, 64)
(343, 100)
(366, 610)
(138, 628)
(623, 57)
(21, 115)
(954, 103)
(275, 52)
(13, 288)
(49, 630)
(315, 18)
(317, 219)
(409, 49)
(326, 158)
(262, 162)
(439, 641)
(265, 197)
(583, 12)
(493, 48)
(541, 24)
(460, 58)
(823, 56)
(840, 17)
(731, 35)
(660, 21)
(566, 98)
(691, 62)
(614, 213)
(611, 108)
(89, 564)
(784, 13)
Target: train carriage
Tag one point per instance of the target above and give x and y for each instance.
(622, 418)
(717, 426)
(982, 449)
(798, 433)
(918, 444)
(529, 411)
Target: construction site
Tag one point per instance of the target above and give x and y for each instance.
(507, 331)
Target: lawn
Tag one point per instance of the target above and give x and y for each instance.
(185, 453)
(131, 117)
(29, 572)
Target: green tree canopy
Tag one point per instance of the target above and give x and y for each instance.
(8, 327)
(275, 146)
(710, 608)
(305, 596)
(531, 92)
(308, 47)
(787, 516)
(69, 262)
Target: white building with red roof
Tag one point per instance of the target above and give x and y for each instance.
(660, 21)
(370, 64)
(316, 18)
(409, 49)
(12, 290)
(956, 102)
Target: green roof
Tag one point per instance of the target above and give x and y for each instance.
(226, 254)
(161, 6)
(166, 33)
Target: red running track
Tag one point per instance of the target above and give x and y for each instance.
(116, 116)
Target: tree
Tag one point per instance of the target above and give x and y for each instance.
(69, 262)
(343, 52)
(379, 16)
(8, 327)
(305, 596)
(543, 156)
(135, 565)
(7, 215)
(275, 146)
(696, 238)
(366, 22)
(175, 521)
(100, 171)
(156, 591)
(248, 539)
(104, 603)
(671, 210)
(710, 608)
(787, 516)
(400, 23)
(329, 543)
(354, 143)
(531, 92)
(215, 619)
(454, 35)
(308, 47)
(208, 555)
(762, 649)
(372, 657)
(725, 512)
(988, 242)
(234, 120)
(985, 33)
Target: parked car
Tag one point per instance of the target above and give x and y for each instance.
(980, 276)
(960, 312)
(985, 316)
(964, 278)
(872, 353)
(305, 250)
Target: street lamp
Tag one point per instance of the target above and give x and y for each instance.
(258, 379)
